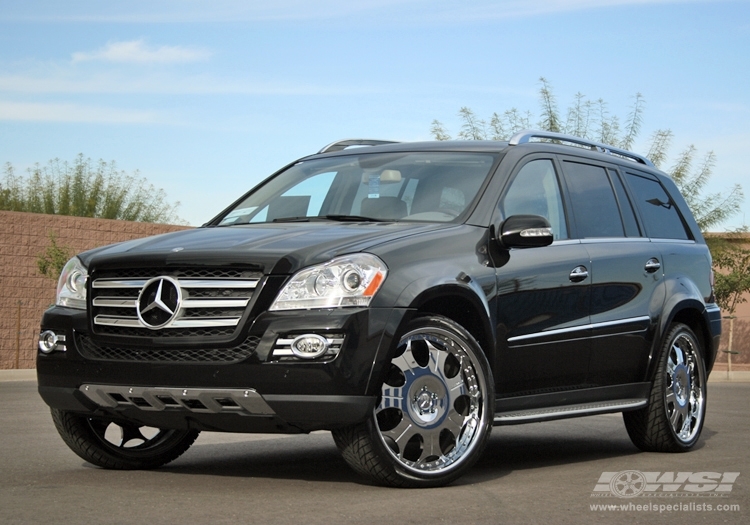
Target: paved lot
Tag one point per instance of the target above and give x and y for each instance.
(539, 473)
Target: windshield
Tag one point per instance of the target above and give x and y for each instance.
(376, 186)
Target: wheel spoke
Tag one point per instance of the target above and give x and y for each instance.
(406, 362)
(131, 433)
(401, 433)
(671, 398)
(678, 417)
(679, 354)
(454, 423)
(430, 445)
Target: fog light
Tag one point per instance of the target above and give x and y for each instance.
(309, 346)
(49, 341)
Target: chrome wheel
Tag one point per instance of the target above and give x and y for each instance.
(673, 419)
(684, 387)
(434, 414)
(432, 401)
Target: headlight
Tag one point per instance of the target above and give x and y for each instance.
(351, 280)
(71, 288)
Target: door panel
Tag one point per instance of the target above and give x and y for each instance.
(543, 319)
(626, 299)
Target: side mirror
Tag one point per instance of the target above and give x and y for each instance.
(525, 231)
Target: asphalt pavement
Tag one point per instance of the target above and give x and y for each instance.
(572, 471)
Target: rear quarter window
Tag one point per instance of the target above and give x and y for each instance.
(658, 211)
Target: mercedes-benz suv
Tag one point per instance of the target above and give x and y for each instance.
(405, 296)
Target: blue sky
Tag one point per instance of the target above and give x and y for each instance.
(206, 99)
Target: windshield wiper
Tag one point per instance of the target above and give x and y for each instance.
(321, 218)
(331, 217)
(353, 218)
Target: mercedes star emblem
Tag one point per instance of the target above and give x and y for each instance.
(159, 302)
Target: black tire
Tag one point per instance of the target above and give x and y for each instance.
(673, 419)
(435, 411)
(121, 445)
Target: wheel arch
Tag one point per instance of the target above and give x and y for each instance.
(464, 306)
(692, 313)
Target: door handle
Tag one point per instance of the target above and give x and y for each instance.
(652, 265)
(579, 274)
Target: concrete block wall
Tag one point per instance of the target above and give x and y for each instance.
(24, 292)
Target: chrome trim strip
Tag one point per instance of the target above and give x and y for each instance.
(133, 322)
(570, 411)
(219, 283)
(200, 323)
(578, 328)
(119, 283)
(672, 241)
(613, 240)
(713, 308)
(214, 303)
(184, 283)
(287, 342)
(111, 302)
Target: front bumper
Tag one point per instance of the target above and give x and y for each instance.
(257, 394)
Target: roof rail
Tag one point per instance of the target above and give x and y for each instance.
(525, 136)
(343, 144)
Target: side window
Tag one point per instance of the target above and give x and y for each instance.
(535, 191)
(593, 200)
(626, 207)
(659, 213)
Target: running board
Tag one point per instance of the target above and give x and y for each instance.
(566, 411)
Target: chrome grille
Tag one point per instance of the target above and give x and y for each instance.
(212, 301)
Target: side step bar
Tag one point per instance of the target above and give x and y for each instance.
(244, 402)
(566, 411)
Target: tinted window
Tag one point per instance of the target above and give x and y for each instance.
(626, 207)
(659, 213)
(536, 191)
(593, 200)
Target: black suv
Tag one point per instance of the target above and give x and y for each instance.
(405, 296)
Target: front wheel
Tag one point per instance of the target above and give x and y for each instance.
(120, 445)
(673, 419)
(435, 410)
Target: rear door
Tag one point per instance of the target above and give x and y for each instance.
(626, 272)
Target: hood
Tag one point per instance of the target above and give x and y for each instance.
(271, 248)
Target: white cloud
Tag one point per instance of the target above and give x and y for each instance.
(46, 80)
(138, 52)
(52, 112)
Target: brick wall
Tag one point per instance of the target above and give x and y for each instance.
(24, 292)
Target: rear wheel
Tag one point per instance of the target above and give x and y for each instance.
(120, 444)
(435, 410)
(673, 419)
